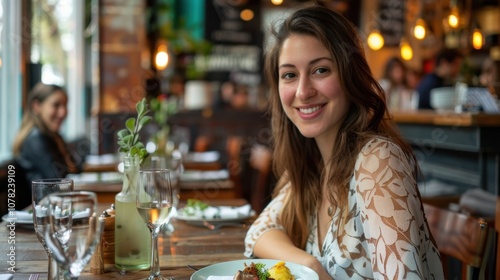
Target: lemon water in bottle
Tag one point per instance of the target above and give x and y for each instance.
(132, 237)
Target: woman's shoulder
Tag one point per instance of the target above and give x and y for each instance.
(35, 133)
(35, 139)
(382, 148)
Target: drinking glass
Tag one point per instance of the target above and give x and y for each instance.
(74, 229)
(173, 163)
(154, 203)
(40, 189)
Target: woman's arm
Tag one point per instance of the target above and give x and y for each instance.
(393, 219)
(267, 239)
(275, 244)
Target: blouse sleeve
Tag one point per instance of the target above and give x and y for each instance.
(387, 198)
(267, 220)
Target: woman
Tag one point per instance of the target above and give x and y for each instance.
(398, 94)
(38, 147)
(347, 203)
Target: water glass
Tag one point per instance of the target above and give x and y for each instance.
(74, 229)
(39, 190)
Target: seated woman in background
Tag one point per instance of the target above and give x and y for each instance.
(38, 148)
(347, 203)
(398, 95)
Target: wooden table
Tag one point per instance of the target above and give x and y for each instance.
(188, 245)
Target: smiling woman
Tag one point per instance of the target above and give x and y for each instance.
(346, 203)
(39, 149)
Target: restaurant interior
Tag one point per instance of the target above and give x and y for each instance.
(199, 64)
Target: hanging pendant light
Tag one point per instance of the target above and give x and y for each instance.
(406, 50)
(477, 39)
(162, 57)
(454, 16)
(375, 40)
(419, 30)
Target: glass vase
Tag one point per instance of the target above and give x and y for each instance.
(132, 238)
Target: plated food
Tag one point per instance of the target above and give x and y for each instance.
(258, 271)
(228, 270)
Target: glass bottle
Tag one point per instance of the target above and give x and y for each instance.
(132, 237)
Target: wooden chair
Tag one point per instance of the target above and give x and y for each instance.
(497, 229)
(261, 164)
(461, 237)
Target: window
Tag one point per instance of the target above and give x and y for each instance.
(57, 50)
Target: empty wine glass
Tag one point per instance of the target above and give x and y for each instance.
(40, 189)
(154, 203)
(74, 229)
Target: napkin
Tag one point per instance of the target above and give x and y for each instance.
(6, 276)
(19, 215)
(220, 212)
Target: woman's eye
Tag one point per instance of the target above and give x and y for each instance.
(321, 70)
(287, 76)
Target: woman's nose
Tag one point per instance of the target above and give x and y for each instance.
(305, 88)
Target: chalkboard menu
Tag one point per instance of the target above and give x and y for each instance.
(391, 21)
(237, 43)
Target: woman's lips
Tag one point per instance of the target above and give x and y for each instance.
(310, 112)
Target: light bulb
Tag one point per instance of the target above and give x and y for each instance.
(453, 18)
(247, 15)
(419, 30)
(477, 39)
(277, 2)
(375, 40)
(161, 58)
(406, 50)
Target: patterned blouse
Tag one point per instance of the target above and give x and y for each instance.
(386, 235)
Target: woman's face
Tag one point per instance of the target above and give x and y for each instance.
(309, 88)
(53, 110)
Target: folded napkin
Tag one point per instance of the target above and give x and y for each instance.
(19, 215)
(219, 212)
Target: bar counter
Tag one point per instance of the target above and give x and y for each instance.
(432, 117)
(461, 150)
(187, 245)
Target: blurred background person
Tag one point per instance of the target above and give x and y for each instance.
(38, 147)
(446, 70)
(398, 94)
(484, 98)
(489, 73)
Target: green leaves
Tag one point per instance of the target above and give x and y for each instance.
(129, 138)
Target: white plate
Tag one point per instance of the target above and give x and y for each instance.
(199, 221)
(210, 175)
(24, 218)
(230, 268)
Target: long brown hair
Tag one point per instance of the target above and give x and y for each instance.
(297, 159)
(39, 93)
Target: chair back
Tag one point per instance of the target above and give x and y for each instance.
(461, 237)
(497, 229)
(261, 163)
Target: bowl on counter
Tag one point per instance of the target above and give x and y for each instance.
(443, 98)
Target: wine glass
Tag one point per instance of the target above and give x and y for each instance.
(40, 189)
(74, 229)
(154, 203)
(173, 163)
